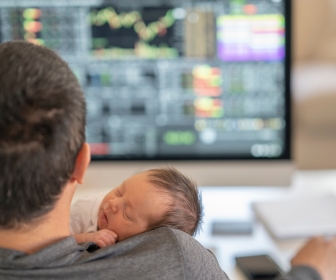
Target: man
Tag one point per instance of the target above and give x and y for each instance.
(43, 155)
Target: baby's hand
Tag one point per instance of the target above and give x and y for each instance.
(102, 238)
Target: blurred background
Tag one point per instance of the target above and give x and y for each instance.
(314, 84)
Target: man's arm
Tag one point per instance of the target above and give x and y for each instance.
(315, 261)
(301, 273)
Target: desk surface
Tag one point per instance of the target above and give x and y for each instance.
(234, 204)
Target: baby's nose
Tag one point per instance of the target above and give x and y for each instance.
(113, 205)
(110, 206)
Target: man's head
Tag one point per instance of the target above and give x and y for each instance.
(42, 130)
(151, 199)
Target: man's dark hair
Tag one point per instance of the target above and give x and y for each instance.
(184, 210)
(42, 129)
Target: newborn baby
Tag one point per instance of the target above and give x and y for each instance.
(145, 201)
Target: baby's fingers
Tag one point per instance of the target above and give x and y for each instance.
(101, 243)
(114, 235)
(103, 240)
(112, 238)
(105, 237)
(110, 235)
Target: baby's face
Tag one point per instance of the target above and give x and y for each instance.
(128, 208)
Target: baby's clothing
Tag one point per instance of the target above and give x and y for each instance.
(84, 213)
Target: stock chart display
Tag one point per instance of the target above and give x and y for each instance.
(146, 33)
(169, 78)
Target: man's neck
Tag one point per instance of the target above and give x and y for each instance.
(30, 240)
(53, 227)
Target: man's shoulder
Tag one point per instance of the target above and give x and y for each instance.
(158, 254)
(167, 253)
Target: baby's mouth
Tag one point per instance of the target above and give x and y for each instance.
(104, 217)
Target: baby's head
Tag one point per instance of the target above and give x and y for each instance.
(152, 199)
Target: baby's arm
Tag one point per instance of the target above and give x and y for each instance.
(102, 237)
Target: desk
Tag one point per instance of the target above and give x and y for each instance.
(234, 203)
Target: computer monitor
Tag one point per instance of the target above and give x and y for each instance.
(203, 85)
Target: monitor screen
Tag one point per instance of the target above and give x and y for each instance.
(169, 79)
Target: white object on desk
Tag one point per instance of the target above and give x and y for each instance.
(235, 203)
(299, 217)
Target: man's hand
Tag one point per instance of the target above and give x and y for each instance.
(102, 237)
(320, 254)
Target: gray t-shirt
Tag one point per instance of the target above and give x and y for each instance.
(159, 254)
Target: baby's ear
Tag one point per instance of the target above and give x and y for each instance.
(82, 162)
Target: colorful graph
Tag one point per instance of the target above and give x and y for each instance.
(32, 25)
(251, 37)
(144, 34)
(132, 19)
(51, 27)
(26, 24)
(207, 107)
(204, 80)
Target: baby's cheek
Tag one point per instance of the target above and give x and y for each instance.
(112, 228)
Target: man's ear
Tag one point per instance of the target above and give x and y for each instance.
(82, 162)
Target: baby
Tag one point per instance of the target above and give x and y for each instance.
(145, 201)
